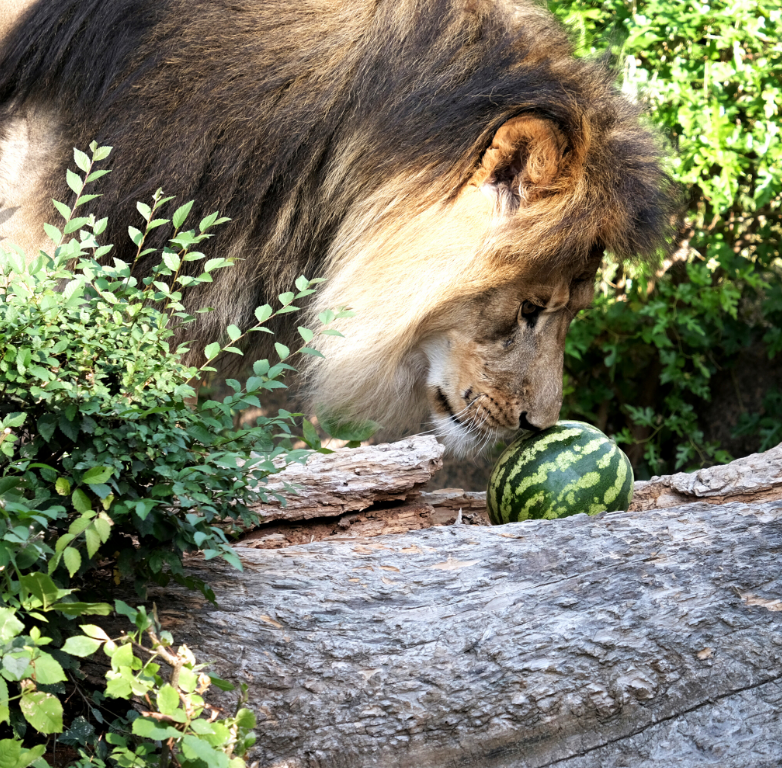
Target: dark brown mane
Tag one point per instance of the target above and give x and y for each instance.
(283, 114)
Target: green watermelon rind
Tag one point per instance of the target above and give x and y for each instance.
(567, 469)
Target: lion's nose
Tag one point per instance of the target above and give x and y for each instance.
(525, 424)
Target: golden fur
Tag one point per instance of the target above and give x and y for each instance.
(450, 167)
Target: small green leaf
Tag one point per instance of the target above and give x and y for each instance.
(171, 260)
(167, 699)
(181, 214)
(52, 233)
(262, 314)
(245, 718)
(96, 475)
(310, 434)
(136, 236)
(305, 334)
(74, 181)
(72, 558)
(286, 298)
(47, 671)
(81, 502)
(62, 209)
(149, 729)
(40, 586)
(95, 175)
(10, 749)
(47, 424)
(92, 539)
(221, 684)
(81, 646)
(194, 749)
(43, 711)
(100, 153)
(81, 160)
(10, 626)
(83, 609)
(75, 224)
(63, 486)
(233, 332)
(348, 430)
(212, 350)
(282, 350)
(14, 420)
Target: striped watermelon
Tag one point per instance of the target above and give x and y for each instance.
(569, 468)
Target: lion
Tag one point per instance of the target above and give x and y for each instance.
(450, 167)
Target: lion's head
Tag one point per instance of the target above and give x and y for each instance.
(449, 166)
(462, 309)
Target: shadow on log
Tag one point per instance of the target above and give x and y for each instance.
(646, 638)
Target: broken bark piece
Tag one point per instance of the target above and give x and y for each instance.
(647, 638)
(757, 478)
(353, 479)
(449, 501)
(422, 511)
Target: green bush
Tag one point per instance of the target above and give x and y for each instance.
(640, 363)
(109, 474)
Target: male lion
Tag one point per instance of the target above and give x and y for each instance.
(448, 165)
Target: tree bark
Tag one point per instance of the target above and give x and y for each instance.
(377, 490)
(647, 638)
(353, 479)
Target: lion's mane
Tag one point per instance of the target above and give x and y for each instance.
(313, 123)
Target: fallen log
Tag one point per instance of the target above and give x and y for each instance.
(386, 495)
(646, 638)
(754, 478)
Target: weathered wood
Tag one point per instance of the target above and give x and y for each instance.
(628, 639)
(334, 501)
(754, 478)
(353, 479)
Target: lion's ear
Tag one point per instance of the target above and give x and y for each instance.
(522, 162)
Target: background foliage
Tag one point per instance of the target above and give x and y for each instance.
(643, 362)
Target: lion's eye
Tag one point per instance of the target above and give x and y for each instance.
(528, 308)
(529, 312)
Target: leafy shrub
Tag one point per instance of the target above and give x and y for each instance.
(110, 474)
(641, 361)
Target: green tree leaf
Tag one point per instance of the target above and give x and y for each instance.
(47, 670)
(81, 646)
(63, 486)
(10, 626)
(96, 475)
(181, 213)
(167, 699)
(81, 502)
(348, 430)
(43, 711)
(39, 585)
(149, 729)
(72, 558)
(197, 749)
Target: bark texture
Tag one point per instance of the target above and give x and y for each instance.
(377, 490)
(353, 479)
(646, 638)
(757, 477)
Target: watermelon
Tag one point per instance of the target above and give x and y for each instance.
(569, 468)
